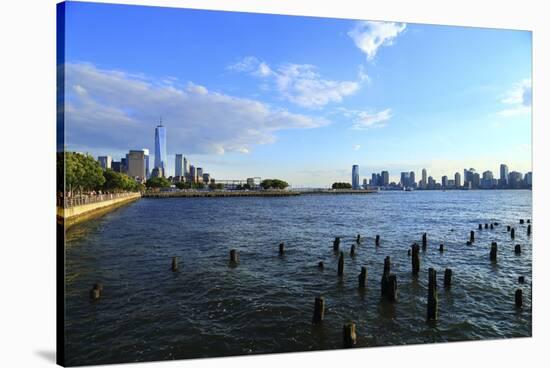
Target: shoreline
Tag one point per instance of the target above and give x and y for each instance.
(252, 193)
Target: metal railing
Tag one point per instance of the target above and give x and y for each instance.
(79, 200)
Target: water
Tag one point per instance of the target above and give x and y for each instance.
(265, 305)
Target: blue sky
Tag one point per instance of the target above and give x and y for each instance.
(299, 98)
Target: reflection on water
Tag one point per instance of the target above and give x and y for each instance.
(265, 304)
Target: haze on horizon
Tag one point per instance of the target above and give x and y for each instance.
(296, 98)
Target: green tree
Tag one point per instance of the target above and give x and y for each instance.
(183, 185)
(158, 182)
(341, 185)
(82, 172)
(273, 184)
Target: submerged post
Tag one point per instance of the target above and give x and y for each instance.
(352, 251)
(377, 240)
(517, 249)
(349, 335)
(447, 278)
(521, 221)
(529, 230)
(513, 233)
(95, 292)
(233, 257)
(432, 295)
(321, 265)
(424, 241)
(480, 227)
(415, 259)
(491, 226)
(508, 227)
(358, 239)
(174, 264)
(519, 298)
(472, 236)
(341, 264)
(493, 253)
(486, 226)
(281, 249)
(336, 244)
(391, 290)
(384, 282)
(363, 277)
(521, 279)
(441, 248)
(319, 310)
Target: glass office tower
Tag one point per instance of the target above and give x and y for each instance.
(355, 177)
(160, 147)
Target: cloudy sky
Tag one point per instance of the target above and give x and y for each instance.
(298, 98)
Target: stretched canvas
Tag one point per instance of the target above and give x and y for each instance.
(237, 183)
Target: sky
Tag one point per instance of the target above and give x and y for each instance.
(296, 98)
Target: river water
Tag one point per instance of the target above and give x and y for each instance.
(265, 305)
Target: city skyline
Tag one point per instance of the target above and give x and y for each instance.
(286, 106)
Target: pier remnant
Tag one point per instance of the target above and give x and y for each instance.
(441, 248)
(233, 257)
(352, 251)
(321, 265)
(528, 221)
(363, 277)
(174, 264)
(319, 310)
(529, 230)
(513, 233)
(486, 225)
(447, 278)
(358, 239)
(432, 295)
(377, 240)
(480, 227)
(391, 289)
(281, 248)
(385, 275)
(349, 335)
(521, 279)
(517, 249)
(336, 244)
(341, 264)
(409, 252)
(508, 228)
(493, 253)
(424, 241)
(521, 221)
(95, 292)
(519, 298)
(472, 236)
(491, 227)
(415, 259)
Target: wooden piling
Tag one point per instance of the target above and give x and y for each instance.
(491, 226)
(529, 230)
(233, 257)
(358, 239)
(508, 228)
(528, 221)
(432, 295)
(486, 225)
(95, 292)
(341, 264)
(174, 264)
(424, 241)
(377, 240)
(519, 298)
(385, 275)
(517, 249)
(472, 236)
(521, 279)
(480, 227)
(521, 221)
(415, 259)
(409, 252)
(447, 278)
(493, 253)
(363, 277)
(391, 290)
(319, 310)
(321, 265)
(513, 233)
(441, 248)
(336, 244)
(281, 248)
(349, 335)
(352, 251)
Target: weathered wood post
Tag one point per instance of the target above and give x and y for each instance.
(415, 259)
(358, 239)
(472, 236)
(319, 310)
(529, 230)
(447, 278)
(349, 335)
(281, 248)
(480, 227)
(521, 279)
(391, 290)
(519, 298)
(233, 257)
(517, 249)
(336, 244)
(528, 221)
(409, 252)
(385, 276)
(377, 240)
(513, 233)
(363, 277)
(321, 265)
(95, 292)
(486, 225)
(508, 228)
(352, 251)
(491, 226)
(341, 264)
(424, 241)
(432, 295)
(174, 264)
(441, 248)
(493, 253)
(521, 221)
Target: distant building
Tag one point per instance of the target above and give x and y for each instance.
(374, 180)
(424, 181)
(503, 180)
(385, 178)
(136, 164)
(105, 162)
(206, 178)
(515, 180)
(451, 183)
(355, 177)
(431, 183)
(124, 164)
(179, 171)
(157, 172)
(471, 178)
(405, 179)
(444, 182)
(412, 179)
(185, 167)
(457, 180)
(487, 180)
(115, 166)
(528, 180)
(146, 159)
(160, 147)
(193, 174)
(365, 184)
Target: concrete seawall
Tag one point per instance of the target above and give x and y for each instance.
(77, 214)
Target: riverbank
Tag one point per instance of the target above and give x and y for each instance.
(70, 215)
(250, 193)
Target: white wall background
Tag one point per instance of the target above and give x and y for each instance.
(27, 261)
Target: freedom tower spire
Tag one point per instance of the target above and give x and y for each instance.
(160, 147)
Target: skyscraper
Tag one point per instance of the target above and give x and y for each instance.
(457, 180)
(405, 179)
(147, 172)
(136, 164)
(385, 178)
(105, 162)
(424, 178)
(355, 177)
(444, 181)
(185, 166)
(160, 147)
(412, 179)
(179, 171)
(503, 179)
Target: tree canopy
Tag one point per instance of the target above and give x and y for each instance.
(274, 184)
(82, 172)
(158, 182)
(341, 186)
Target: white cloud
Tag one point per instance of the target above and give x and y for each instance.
(519, 98)
(300, 84)
(120, 112)
(366, 119)
(357, 147)
(370, 36)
